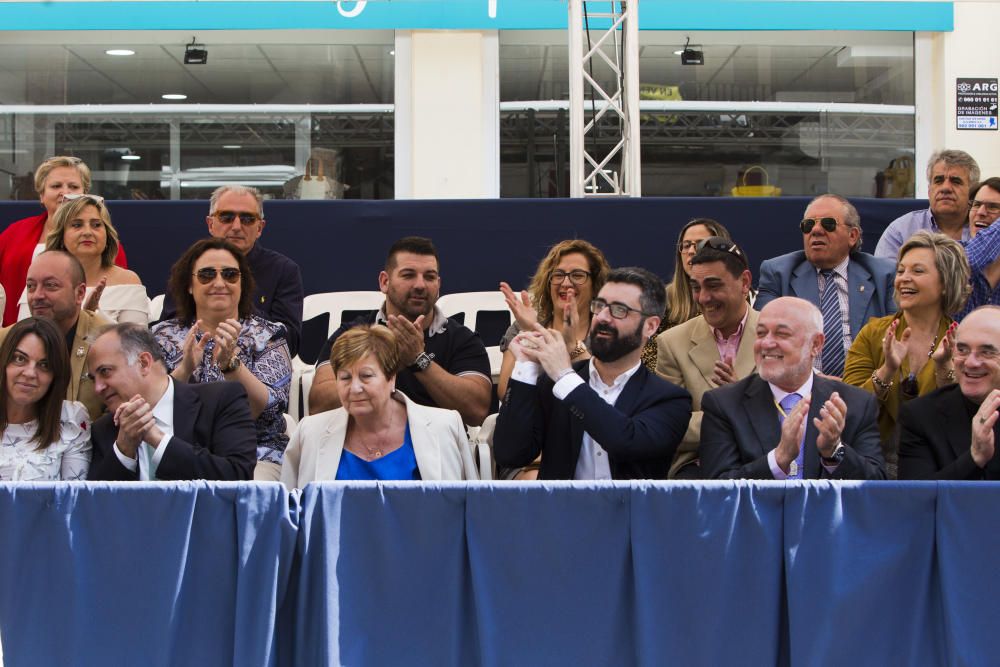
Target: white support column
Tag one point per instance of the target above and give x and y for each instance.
(613, 54)
(447, 118)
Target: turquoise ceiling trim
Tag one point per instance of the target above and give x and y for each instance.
(468, 15)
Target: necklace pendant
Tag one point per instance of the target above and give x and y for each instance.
(377, 454)
(793, 469)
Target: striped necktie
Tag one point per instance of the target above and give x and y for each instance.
(833, 328)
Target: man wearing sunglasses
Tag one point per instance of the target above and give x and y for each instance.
(55, 287)
(607, 417)
(236, 213)
(983, 249)
(715, 348)
(950, 175)
(847, 285)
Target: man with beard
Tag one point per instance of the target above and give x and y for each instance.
(983, 249)
(786, 422)
(952, 432)
(849, 286)
(950, 174)
(445, 364)
(603, 418)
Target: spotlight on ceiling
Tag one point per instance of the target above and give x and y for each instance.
(195, 54)
(174, 96)
(120, 52)
(691, 56)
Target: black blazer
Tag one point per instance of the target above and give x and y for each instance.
(640, 432)
(214, 437)
(740, 426)
(935, 439)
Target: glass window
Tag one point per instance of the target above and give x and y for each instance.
(810, 112)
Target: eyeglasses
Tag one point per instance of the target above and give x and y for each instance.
(829, 224)
(993, 208)
(722, 245)
(227, 217)
(684, 246)
(207, 275)
(619, 311)
(577, 277)
(73, 196)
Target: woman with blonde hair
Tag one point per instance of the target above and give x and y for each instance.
(82, 227)
(908, 354)
(568, 278)
(23, 239)
(377, 433)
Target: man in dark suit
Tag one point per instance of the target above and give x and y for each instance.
(786, 422)
(952, 432)
(861, 283)
(603, 418)
(157, 428)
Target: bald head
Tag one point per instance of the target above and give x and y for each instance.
(977, 353)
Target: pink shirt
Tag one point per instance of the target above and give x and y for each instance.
(729, 346)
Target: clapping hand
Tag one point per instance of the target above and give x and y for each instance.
(136, 423)
(226, 336)
(409, 336)
(793, 429)
(983, 444)
(93, 301)
(830, 424)
(520, 306)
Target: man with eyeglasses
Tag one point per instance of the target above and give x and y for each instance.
(55, 287)
(603, 418)
(785, 421)
(950, 174)
(952, 433)
(848, 286)
(983, 249)
(714, 348)
(236, 213)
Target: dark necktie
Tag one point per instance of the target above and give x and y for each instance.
(833, 328)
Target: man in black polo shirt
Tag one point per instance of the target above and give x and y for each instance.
(446, 365)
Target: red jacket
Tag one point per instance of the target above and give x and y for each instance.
(17, 245)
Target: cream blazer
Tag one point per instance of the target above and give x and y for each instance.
(440, 444)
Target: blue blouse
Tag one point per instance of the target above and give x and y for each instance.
(398, 464)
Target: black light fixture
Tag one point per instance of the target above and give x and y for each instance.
(195, 54)
(691, 56)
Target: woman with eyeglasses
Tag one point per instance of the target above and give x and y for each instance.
(908, 354)
(570, 275)
(42, 436)
(681, 305)
(24, 239)
(82, 227)
(216, 336)
(983, 249)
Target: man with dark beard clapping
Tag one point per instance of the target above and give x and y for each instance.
(603, 418)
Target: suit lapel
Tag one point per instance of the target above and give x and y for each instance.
(576, 425)
(744, 364)
(703, 351)
(187, 407)
(427, 454)
(820, 394)
(761, 414)
(860, 290)
(331, 447)
(959, 429)
(804, 282)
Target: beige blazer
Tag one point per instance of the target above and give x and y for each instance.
(440, 444)
(686, 355)
(81, 387)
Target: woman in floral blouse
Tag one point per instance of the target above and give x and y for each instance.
(216, 337)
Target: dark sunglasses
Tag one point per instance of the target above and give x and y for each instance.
(829, 224)
(227, 217)
(722, 245)
(207, 275)
(908, 386)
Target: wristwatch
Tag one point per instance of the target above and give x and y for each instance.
(837, 456)
(421, 363)
(234, 363)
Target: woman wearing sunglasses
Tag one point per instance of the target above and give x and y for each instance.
(42, 436)
(24, 239)
(82, 227)
(216, 337)
(908, 354)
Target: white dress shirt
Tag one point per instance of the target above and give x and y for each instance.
(163, 413)
(593, 460)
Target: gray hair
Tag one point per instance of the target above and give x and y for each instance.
(134, 340)
(851, 216)
(236, 190)
(955, 158)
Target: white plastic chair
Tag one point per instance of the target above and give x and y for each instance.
(481, 442)
(156, 307)
(473, 303)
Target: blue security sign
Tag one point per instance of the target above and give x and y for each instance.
(976, 104)
(907, 15)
